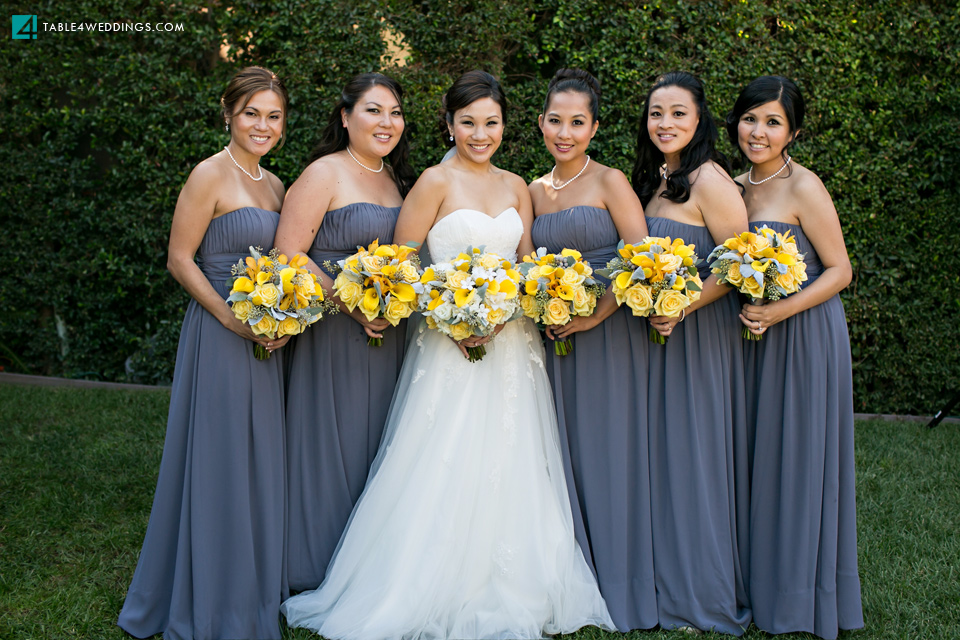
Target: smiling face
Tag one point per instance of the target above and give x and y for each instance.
(257, 127)
(567, 125)
(672, 120)
(375, 124)
(477, 130)
(763, 132)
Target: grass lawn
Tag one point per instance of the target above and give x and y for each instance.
(78, 469)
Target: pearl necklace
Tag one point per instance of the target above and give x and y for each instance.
(363, 165)
(750, 173)
(553, 184)
(227, 149)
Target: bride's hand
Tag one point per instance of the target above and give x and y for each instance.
(374, 328)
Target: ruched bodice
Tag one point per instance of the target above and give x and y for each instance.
(228, 241)
(471, 228)
(589, 230)
(691, 234)
(804, 246)
(346, 228)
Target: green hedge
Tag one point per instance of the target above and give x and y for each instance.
(102, 128)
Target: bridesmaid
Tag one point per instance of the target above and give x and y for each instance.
(599, 388)
(696, 411)
(339, 388)
(803, 516)
(212, 560)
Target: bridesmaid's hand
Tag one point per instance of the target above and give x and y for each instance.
(576, 323)
(757, 318)
(243, 330)
(663, 324)
(374, 328)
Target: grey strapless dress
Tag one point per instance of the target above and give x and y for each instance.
(803, 513)
(600, 394)
(339, 390)
(212, 566)
(698, 460)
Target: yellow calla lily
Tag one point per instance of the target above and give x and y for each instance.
(492, 286)
(568, 253)
(428, 276)
(759, 266)
(243, 284)
(531, 287)
(433, 304)
(404, 292)
(565, 292)
(389, 270)
(509, 289)
(463, 297)
(679, 283)
(370, 300)
(385, 251)
(263, 277)
(286, 277)
(623, 280)
(786, 259)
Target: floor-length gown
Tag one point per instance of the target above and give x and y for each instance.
(698, 466)
(464, 529)
(600, 394)
(803, 515)
(338, 394)
(211, 566)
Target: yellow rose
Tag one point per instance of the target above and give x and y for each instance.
(733, 274)
(266, 327)
(670, 302)
(489, 261)
(571, 277)
(799, 271)
(408, 272)
(431, 323)
(289, 327)
(372, 263)
(266, 295)
(497, 316)
(758, 244)
(581, 302)
(786, 281)
(752, 288)
(396, 311)
(638, 298)
(241, 309)
(455, 279)
(557, 312)
(670, 262)
(460, 331)
(533, 274)
(350, 292)
(790, 248)
(529, 306)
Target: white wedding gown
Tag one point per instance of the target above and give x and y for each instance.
(463, 529)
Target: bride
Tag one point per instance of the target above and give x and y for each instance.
(464, 529)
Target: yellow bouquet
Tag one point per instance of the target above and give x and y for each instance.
(379, 280)
(275, 297)
(765, 265)
(470, 296)
(658, 276)
(557, 287)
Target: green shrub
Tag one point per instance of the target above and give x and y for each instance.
(103, 128)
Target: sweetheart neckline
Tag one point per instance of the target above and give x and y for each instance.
(482, 213)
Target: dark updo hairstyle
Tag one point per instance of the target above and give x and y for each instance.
(761, 91)
(244, 84)
(577, 81)
(335, 136)
(701, 149)
(467, 89)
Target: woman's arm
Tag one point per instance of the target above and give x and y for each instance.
(191, 218)
(821, 225)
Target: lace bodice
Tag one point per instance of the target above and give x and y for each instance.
(471, 228)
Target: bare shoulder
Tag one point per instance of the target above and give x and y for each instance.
(326, 167)
(276, 185)
(434, 176)
(807, 187)
(209, 172)
(612, 178)
(710, 179)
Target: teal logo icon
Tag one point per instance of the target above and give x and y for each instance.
(24, 27)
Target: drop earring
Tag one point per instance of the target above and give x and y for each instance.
(451, 138)
(226, 127)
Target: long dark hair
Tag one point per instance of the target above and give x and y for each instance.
(465, 90)
(701, 149)
(761, 91)
(577, 81)
(335, 137)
